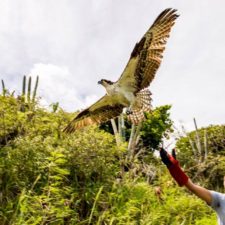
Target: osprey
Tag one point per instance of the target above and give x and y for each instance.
(130, 91)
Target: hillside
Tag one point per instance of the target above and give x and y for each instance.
(48, 177)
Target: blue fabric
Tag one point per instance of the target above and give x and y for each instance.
(218, 204)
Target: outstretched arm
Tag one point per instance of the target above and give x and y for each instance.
(199, 191)
(182, 179)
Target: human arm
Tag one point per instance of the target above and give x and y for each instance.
(182, 179)
(199, 191)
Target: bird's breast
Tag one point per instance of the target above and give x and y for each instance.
(125, 95)
(120, 95)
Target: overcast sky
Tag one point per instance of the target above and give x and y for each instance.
(71, 44)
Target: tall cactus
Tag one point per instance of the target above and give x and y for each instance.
(35, 89)
(29, 90)
(26, 100)
(24, 86)
(3, 88)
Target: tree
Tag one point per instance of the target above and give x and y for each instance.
(206, 166)
(148, 134)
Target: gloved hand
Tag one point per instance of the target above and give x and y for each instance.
(173, 166)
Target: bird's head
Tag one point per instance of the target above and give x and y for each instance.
(105, 83)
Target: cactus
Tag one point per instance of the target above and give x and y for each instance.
(26, 100)
(24, 86)
(3, 88)
(3, 85)
(55, 107)
(29, 90)
(12, 94)
(35, 89)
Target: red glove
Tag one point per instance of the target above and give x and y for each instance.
(173, 166)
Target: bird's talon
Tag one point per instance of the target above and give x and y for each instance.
(129, 111)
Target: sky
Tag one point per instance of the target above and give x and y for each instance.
(72, 44)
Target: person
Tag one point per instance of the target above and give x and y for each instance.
(214, 199)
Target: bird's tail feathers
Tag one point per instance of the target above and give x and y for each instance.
(143, 98)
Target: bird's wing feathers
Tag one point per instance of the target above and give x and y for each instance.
(147, 54)
(101, 111)
(144, 61)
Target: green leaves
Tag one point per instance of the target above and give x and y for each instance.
(156, 127)
(136, 203)
(206, 166)
(47, 177)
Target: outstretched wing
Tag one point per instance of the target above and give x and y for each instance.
(104, 109)
(147, 54)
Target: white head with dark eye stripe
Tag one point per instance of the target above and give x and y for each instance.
(105, 82)
(108, 85)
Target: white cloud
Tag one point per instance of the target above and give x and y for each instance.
(72, 44)
(55, 85)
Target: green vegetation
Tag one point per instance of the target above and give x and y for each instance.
(205, 150)
(47, 177)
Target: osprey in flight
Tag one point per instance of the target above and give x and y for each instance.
(130, 91)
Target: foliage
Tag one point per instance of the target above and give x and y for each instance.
(47, 177)
(136, 203)
(45, 174)
(156, 127)
(206, 164)
(9, 118)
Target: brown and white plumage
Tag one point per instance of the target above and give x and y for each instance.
(101, 111)
(130, 90)
(147, 54)
(137, 115)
